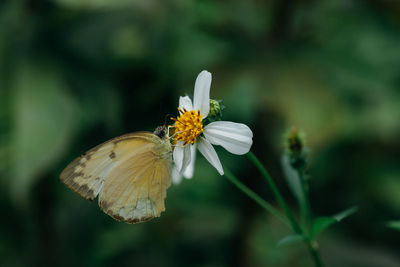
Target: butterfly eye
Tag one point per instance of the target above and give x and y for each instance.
(160, 131)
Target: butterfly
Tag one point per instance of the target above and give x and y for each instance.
(130, 174)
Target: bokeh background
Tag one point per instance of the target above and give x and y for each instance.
(74, 73)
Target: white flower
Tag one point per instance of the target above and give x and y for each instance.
(190, 134)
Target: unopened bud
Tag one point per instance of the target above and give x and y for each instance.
(215, 108)
(294, 142)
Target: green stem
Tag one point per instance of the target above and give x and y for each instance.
(268, 207)
(312, 246)
(295, 226)
(306, 209)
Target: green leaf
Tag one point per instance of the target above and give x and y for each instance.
(394, 225)
(293, 180)
(321, 223)
(290, 239)
(44, 120)
(346, 213)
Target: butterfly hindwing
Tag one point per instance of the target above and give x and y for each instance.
(136, 196)
(130, 174)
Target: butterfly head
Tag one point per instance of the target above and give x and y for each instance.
(161, 131)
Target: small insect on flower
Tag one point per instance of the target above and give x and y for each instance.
(190, 131)
(130, 174)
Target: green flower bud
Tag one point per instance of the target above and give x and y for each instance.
(295, 141)
(215, 109)
(295, 145)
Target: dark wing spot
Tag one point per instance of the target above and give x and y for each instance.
(117, 217)
(82, 190)
(106, 207)
(135, 220)
(112, 155)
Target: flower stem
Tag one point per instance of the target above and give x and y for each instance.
(312, 246)
(295, 226)
(251, 194)
(306, 210)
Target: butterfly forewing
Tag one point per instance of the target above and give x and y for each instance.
(131, 174)
(86, 174)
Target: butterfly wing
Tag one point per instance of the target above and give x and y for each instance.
(130, 174)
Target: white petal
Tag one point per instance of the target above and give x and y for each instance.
(185, 102)
(181, 156)
(201, 97)
(237, 138)
(176, 176)
(188, 173)
(209, 153)
(178, 157)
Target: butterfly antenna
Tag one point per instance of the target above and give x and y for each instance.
(165, 123)
(165, 119)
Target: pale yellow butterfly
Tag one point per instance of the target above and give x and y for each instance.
(130, 173)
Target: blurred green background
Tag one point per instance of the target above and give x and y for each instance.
(74, 73)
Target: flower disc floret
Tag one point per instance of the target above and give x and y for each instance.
(188, 126)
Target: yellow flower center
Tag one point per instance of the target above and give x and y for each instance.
(188, 126)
